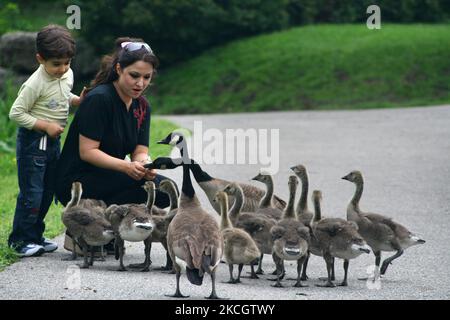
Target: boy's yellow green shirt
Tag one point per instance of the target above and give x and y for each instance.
(43, 97)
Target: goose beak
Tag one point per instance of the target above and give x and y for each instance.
(365, 250)
(345, 178)
(145, 226)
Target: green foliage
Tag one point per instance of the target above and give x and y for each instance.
(9, 14)
(313, 67)
(8, 128)
(25, 15)
(178, 30)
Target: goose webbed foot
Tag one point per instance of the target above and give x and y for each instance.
(84, 266)
(213, 296)
(329, 284)
(343, 284)
(121, 269)
(177, 294)
(304, 277)
(139, 265)
(299, 284)
(163, 268)
(277, 285)
(281, 277)
(326, 278)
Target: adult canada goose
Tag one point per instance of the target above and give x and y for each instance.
(239, 247)
(380, 232)
(290, 238)
(193, 235)
(303, 213)
(337, 238)
(159, 234)
(252, 194)
(85, 221)
(265, 204)
(256, 225)
(133, 223)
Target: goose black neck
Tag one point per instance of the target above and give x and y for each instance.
(187, 187)
(199, 174)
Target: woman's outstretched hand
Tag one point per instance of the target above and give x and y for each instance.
(150, 174)
(136, 170)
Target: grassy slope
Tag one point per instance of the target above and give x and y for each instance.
(314, 67)
(9, 190)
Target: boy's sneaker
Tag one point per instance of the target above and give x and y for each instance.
(49, 246)
(31, 250)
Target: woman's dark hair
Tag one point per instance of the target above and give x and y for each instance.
(107, 72)
(54, 41)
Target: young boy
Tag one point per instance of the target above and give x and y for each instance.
(41, 110)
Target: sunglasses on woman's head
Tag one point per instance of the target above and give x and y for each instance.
(133, 46)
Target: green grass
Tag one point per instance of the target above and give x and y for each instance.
(314, 67)
(32, 16)
(9, 190)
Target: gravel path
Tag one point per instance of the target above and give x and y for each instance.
(404, 155)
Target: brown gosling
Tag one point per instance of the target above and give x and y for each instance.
(337, 238)
(239, 247)
(256, 225)
(85, 221)
(303, 213)
(265, 205)
(290, 238)
(193, 235)
(380, 232)
(133, 223)
(159, 234)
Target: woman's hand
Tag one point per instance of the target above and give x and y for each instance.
(150, 174)
(136, 170)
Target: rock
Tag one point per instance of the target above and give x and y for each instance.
(16, 79)
(18, 51)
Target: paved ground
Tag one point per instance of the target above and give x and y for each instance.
(404, 155)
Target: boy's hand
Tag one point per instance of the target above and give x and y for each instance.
(82, 94)
(54, 130)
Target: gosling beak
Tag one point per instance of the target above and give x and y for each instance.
(145, 226)
(365, 250)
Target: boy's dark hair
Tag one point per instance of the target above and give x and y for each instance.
(54, 41)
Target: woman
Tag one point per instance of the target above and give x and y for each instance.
(113, 121)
